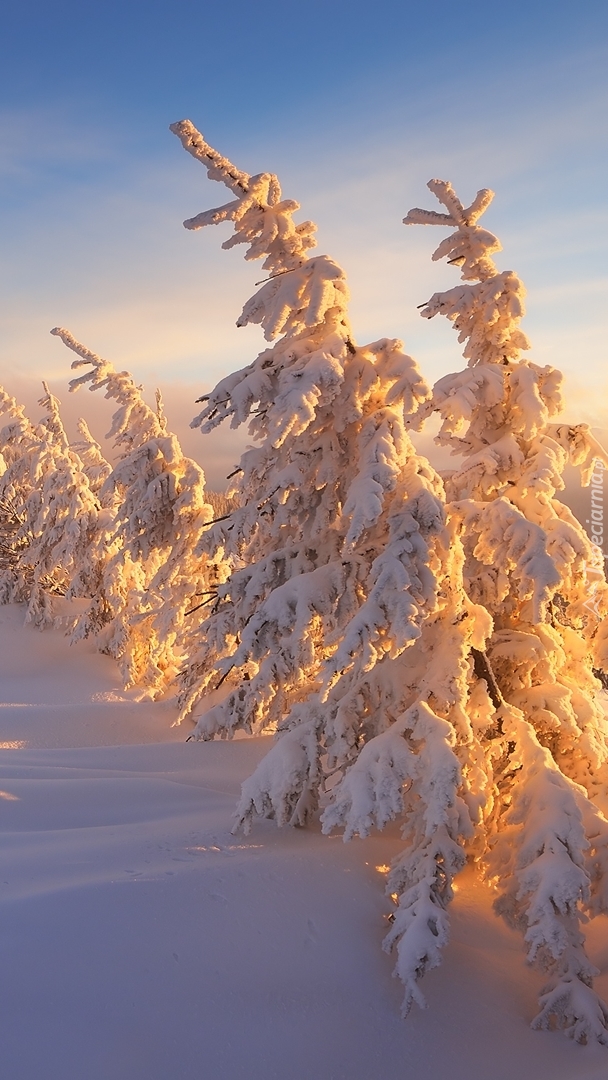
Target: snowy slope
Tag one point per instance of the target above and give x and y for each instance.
(141, 941)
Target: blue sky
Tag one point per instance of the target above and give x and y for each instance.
(355, 106)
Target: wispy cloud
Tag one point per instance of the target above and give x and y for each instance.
(45, 137)
(95, 243)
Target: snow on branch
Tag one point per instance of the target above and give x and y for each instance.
(301, 296)
(52, 421)
(411, 770)
(134, 421)
(486, 315)
(218, 167)
(260, 216)
(90, 453)
(506, 539)
(469, 247)
(285, 784)
(539, 862)
(583, 448)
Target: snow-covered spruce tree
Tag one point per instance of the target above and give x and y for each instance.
(18, 438)
(49, 507)
(530, 565)
(144, 565)
(66, 518)
(344, 626)
(95, 466)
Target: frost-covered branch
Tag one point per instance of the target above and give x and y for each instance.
(539, 861)
(134, 421)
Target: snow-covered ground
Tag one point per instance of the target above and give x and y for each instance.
(140, 940)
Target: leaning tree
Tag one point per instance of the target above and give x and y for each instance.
(545, 742)
(345, 626)
(19, 440)
(50, 515)
(141, 575)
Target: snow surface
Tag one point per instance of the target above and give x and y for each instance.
(140, 940)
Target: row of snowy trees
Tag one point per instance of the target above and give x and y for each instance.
(117, 539)
(421, 645)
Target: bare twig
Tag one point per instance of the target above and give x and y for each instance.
(224, 676)
(215, 520)
(483, 670)
(279, 273)
(268, 498)
(203, 604)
